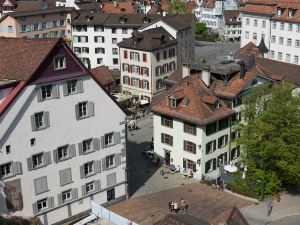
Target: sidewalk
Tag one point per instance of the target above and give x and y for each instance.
(257, 214)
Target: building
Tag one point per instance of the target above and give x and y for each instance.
(95, 35)
(147, 58)
(38, 23)
(105, 77)
(277, 23)
(49, 168)
(194, 119)
(232, 25)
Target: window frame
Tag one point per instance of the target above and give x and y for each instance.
(56, 63)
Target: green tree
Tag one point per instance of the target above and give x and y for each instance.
(200, 28)
(177, 7)
(270, 137)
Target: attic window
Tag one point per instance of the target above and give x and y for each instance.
(279, 11)
(185, 101)
(171, 102)
(216, 105)
(147, 20)
(291, 12)
(254, 82)
(122, 19)
(59, 63)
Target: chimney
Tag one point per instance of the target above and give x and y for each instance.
(251, 61)
(185, 70)
(242, 68)
(115, 4)
(206, 75)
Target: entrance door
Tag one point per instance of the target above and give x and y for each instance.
(167, 158)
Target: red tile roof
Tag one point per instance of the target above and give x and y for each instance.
(196, 110)
(122, 7)
(208, 4)
(103, 75)
(190, 5)
(230, 16)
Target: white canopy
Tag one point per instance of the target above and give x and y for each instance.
(144, 102)
(86, 220)
(231, 168)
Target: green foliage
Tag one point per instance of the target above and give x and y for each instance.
(204, 34)
(270, 136)
(200, 28)
(177, 7)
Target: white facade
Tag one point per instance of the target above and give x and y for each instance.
(66, 3)
(282, 38)
(44, 179)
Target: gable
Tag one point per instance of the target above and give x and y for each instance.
(256, 81)
(160, 23)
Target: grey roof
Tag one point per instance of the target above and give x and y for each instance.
(149, 40)
(181, 21)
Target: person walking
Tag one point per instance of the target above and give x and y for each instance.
(270, 207)
(183, 205)
(175, 207)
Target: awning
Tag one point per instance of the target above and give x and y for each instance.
(231, 168)
(143, 102)
(86, 220)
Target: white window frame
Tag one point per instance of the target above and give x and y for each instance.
(72, 86)
(6, 170)
(82, 110)
(37, 160)
(59, 63)
(39, 120)
(62, 153)
(87, 145)
(110, 161)
(90, 187)
(66, 195)
(109, 139)
(42, 204)
(88, 168)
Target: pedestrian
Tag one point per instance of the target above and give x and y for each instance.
(270, 207)
(170, 206)
(183, 205)
(175, 207)
(278, 198)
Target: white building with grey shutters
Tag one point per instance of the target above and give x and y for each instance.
(62, 137)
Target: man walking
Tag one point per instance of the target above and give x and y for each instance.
(183, 205)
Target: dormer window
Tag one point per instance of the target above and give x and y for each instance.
(291, 12)
(123, 20)
(216, 105)
(279, 11)
(59, 63)
(172, 102)
(147, 20)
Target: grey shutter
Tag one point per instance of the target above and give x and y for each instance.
(111, 179)
(39, 94)
(80, 148)
(72, 150)
(59, 199)
(118, 159)
(184, 145)
(74, 193)
(33, 125)
(50, 202)
(77, 111)
(83, 190)
(82, 172)
(123, 152)
(55, 91)
(65, 176)
(47, 158)
(97, 166)
(102, 142)
(79, 86)
(17, 168)
(65, 89)
(29, 163)
(117, 139)
(96, 143)
(34, 208)
(55, 155)
(97, 185)
(40, 185)
(104, 164)
(46, 119)
(91, 108)
(226, 139)
(214, 164)
(194, 148)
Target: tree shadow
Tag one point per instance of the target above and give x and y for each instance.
(140, 169)
(293, 190)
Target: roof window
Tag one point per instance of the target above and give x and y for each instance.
(291, 12)
(172, 102)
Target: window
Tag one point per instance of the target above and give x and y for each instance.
(144, 57)
(37, 160)
(189, 147)
(59, 63)
(272, 54)
(124, 31)
(210, 165)
(281, 40)
(172, 102)
(273, 25)
(287, 57)
(247, 34)
(99, 39)
(247, 21)
(166, 139)
(5, 170)
(10, 29)
(115, 51)
(157, 56)
(72, 86)
(211, 128)
(210, 146)
(165, 54)
(297, 43)
(279, 11)
(40, 185)
(135, 56)
(273, 39)
(114, 41)
(46, 91)
(189, 164)
(114, 30)
(42, 204)
(62, 152)
(90, 187)
(62, 22)
(235, 153)
(111, 194)
(100, 61)
(115, 61)
(296, 59)
(77, 50)
(108, 139)
(222, 141)
(85, 50)
(83, 109)
(166, 121)
(223, 123)
(172, 52)
(158, 71)
(281, 26)
(125, 54)
(7, 148)
(264, 24)
(32, 141)
(88, 168)
(290, 27)
(66, 196)
(87, 145)
(279, 57)
(100, 50)
(110, 161)
(40, 121)
(190, 128)
(255, 23)
(98, 28)
(254, 36)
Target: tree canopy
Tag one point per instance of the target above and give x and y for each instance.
(177, 7)
(270, 136)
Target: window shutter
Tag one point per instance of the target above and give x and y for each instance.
(118, 159)
(162, 120)
(17, 168)
(123, 69)
(102, 142)
(72, 150)
(46, 119)
(79, 86)
(219, 142)
(144, 57)
(50, 202)
(34, 208)
(55, 91)
(129, 81)
(96, 144)
(97, 166)
(214, 163)
(29, 163)
(123, 79)
(104, 164)
(184, 145)
(91, 108)
(194, 167)
(83, 190)
(207, 148)
(82, 172)
(194, 130)
(111, 179)
(125, 55)
(97, 185)
(55, 155)
(171, 140)
(184, 163)
(225, 158)
(65, 89)
(47, 158)
(77, 111)
(33, 125)
(117, 137)
(162, 138)
(194, 148)
(214, 145)
(40, 185)
(80, 148)
(226, 139)
(184, 127)
(171, 123)
(207, 166)
(141, 83)
(59, 199)
(74, 193)
(39, 95)
(129, 68)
